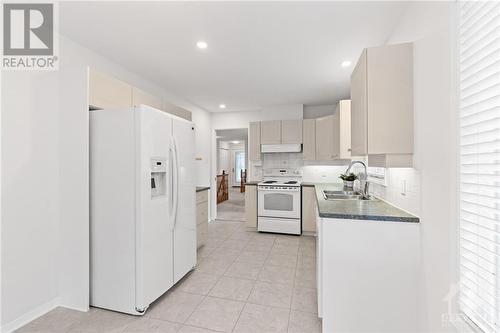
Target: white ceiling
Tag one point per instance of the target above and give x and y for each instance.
(259, 53)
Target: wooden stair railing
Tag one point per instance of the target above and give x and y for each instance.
(243, 176)
(222, 187)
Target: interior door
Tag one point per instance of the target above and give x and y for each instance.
(238, 165)
(154, 268)
(185, 218)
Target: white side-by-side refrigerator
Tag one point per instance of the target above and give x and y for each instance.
(142, 206)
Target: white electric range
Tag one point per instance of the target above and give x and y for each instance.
(279, 202)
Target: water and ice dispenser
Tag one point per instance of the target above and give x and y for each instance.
(158, 177)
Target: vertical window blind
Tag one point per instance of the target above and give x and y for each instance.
(479, 80)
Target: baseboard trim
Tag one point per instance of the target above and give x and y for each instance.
(30, 316)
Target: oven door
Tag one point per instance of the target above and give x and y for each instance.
(279, 203)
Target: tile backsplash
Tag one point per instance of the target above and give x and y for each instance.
(401, 188)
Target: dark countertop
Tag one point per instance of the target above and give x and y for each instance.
(375, 210)
(253, 183)
(202, 188)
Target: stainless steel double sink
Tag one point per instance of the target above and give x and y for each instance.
(345, 195)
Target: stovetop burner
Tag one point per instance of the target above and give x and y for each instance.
(270, 182)
(291, 182)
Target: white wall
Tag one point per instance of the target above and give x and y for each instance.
(45, 224)
(428, 25)
(30, 192)
(223, 161)
(202, 120)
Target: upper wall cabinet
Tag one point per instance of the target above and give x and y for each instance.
(270, 132)
(141, 97)
(281, 131)
(177, 111)
(107, 92)
(325, 146)
(382, 106)
(254, 134)
(291, 131)
(328, 138)
(342, 126)
(309, 139)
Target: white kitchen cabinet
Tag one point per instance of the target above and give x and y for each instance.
(308, 210)
(107, 92)
(342, 129)
(141, 97)
(382, 105)
(177, 111)
(251, 205)
(270, 132)
(368, 271)
(358, 108)
(309, 140)
(254, 141)
(201, 217)
(291, 131)
(325, 150)
(319, 261)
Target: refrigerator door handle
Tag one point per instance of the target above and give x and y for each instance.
(172, 183)
(175, 192)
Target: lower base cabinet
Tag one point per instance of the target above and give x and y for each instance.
(251, 206)
(308, 210)
(201, 217)
(368, 275)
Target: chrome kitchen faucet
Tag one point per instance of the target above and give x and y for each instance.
(365, 188)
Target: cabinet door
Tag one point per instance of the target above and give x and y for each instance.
(309, 138)
(291, 131)
(336, 136)
(251, 206)
(254, 142)
(324, 139)
(107, 92)
(308, 209)
(177, 111)
(359, 108)
(141, 97)
(344, 111)
(390, 99)
(270, 132)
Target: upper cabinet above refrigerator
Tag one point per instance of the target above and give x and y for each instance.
(382, 106)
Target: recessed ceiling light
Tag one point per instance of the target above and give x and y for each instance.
(222, 106)
(202, 44)
(346, 63)
(235, 142)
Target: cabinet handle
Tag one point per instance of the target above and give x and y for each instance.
(349, 149)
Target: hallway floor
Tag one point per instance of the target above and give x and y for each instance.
(244, 282)
(232, 209)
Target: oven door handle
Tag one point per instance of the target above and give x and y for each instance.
(278, 190)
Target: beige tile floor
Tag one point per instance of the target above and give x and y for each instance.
(232, 209)
(244, 282)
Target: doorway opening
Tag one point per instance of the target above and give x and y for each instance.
(232, 165)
